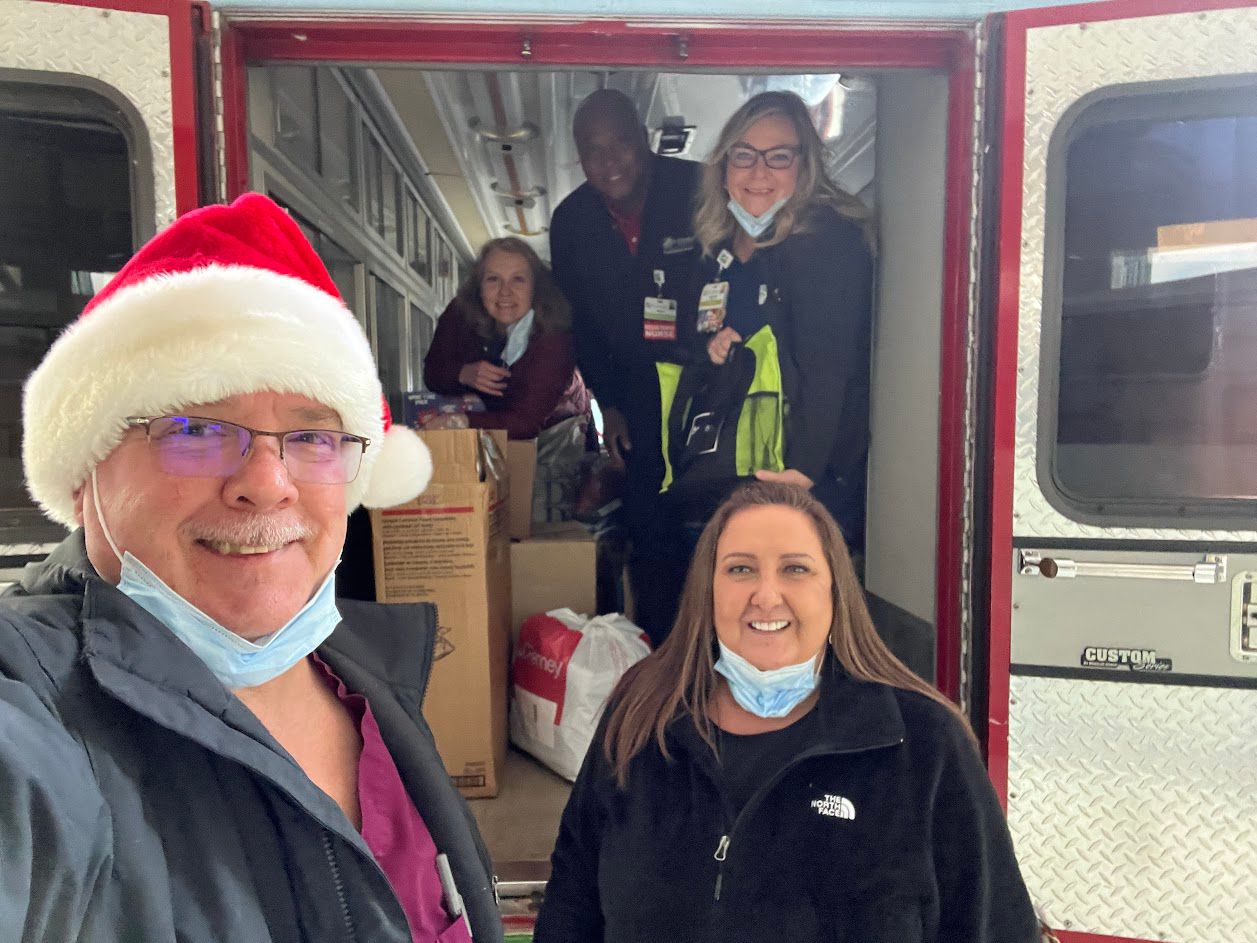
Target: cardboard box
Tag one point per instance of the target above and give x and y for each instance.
(449, 547)
(1217, 232)
(556, 567)
(521, 460)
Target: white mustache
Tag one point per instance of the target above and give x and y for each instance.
(253, 531)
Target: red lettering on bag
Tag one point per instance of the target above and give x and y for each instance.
(542, 655)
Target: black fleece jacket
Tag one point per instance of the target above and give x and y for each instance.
(887, 830)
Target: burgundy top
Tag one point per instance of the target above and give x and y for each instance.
(394, 830)
(544, 387)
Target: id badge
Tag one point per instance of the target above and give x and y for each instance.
(712, 306)
(659, 319)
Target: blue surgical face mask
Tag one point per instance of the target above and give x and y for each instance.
(755, 226)
(234, 660)
(772, 693)
(517, 337)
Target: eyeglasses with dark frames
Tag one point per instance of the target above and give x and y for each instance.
(197, 447)
(744, 157)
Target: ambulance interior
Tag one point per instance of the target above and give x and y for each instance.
(448, 159)
(398, 174)
(439, 161)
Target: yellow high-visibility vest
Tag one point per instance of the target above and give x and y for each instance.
(760, 435)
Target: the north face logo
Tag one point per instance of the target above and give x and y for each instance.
(834, 806)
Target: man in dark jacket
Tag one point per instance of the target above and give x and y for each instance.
(197, 742)
(622, 247)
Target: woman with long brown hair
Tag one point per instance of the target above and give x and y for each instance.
(506, 338)
(772, 772)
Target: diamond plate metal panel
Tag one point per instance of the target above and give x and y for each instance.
(1131, 806)
(130, 52)
(1064, 63)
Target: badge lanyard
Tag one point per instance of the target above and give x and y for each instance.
(659, 314)
(713, 303)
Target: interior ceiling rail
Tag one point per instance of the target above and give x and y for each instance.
(508, 146)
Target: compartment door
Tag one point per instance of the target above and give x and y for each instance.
(1123, 647)
(140, 54)
(98, 139)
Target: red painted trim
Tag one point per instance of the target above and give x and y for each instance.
(953, 359)
(1066, 936)
(235, 81)
(1005, 408)
(1113, 10)
(596, 42)
(183, 105)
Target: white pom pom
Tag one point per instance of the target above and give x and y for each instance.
(401, 471)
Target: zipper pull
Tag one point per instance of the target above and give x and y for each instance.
(722, 852)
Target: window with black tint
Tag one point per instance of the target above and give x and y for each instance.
(65, 228)
(390, 351)
(336, 139)
(417, 237)
(374, 155)
(1156, 412)
(296, 132)
(391, 188)
(421, 330)
(445, 271)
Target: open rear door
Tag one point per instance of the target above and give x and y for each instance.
(98, 150)
(1123, 658)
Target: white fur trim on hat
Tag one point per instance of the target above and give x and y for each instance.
(192, 337)
(402, 469)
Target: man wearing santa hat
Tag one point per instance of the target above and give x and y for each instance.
(197, 741)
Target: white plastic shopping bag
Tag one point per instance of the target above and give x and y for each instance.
(564, 669)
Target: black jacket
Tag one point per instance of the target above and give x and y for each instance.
(819, 304)
(143, 802)
(606, 285)
(885, 831)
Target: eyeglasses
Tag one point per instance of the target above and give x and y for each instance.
(744, 157)
(195, 447)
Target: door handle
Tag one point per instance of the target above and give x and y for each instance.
(1211, 570)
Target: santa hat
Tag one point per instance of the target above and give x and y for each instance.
(227, 300)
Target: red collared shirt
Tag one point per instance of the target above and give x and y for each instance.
(630, 227)
(394, 830)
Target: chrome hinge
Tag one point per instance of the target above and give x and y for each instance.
(220, 129)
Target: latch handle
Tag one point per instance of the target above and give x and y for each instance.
(1211, 570)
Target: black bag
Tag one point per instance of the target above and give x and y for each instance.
(703, 430)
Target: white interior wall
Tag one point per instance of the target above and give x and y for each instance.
(903, 459)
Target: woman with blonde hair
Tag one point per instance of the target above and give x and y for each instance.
(773, 773)
(779, 320)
